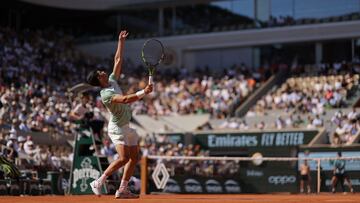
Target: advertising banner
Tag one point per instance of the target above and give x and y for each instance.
(85, 167)
(254, 139)
(283, 143)
(248, 178)
(85, 170)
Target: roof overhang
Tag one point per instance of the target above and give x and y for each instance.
(112, 4)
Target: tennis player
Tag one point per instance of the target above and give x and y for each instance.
(124, 138)
(340, 175)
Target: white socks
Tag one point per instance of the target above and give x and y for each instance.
(102, 179)
(124, 184)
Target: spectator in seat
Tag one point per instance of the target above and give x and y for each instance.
(78, 113)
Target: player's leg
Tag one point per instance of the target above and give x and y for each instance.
(308, 187)
(342, 182)
(119, 162)
(333, 183)
(301, 185)
(114, 166)
(123, 191)
(130, 166)
(131, 139)
(349, 183)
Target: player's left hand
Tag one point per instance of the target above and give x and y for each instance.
(148, 89)
(123, 34)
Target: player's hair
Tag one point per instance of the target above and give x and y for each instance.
(92, 78)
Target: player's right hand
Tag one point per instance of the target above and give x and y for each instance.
(148, 89)
(123, 34)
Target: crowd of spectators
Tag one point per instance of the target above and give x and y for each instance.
(347, 127)
(312, 94)
(30, 156)
(280, 122)
(196, 96)
(36, 69)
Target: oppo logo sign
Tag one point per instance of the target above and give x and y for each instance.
(232, 186)
(172, 186)
(193, 186)
(282, 180)
(213, 186)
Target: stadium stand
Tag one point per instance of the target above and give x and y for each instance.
(313, 93)
(37, 68)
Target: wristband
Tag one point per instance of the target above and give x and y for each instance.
(140, 94)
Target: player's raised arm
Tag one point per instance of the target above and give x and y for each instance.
(125, 99)
(119, 54)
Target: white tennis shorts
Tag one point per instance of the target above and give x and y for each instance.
(122, 135)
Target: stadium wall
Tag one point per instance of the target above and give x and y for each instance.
(230, 46)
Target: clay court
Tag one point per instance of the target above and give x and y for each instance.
(188, 198)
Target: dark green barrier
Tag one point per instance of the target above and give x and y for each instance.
(86, 166)
(214, 140)
(236, 143)
(246, 143)
(267, 178)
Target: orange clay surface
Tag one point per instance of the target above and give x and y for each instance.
(281, 198)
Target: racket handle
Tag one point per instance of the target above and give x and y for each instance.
(151, 81)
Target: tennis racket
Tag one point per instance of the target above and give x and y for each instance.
(152, 55)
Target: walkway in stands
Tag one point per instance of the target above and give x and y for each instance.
(326, 197)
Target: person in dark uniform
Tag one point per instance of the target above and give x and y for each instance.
(339, 175)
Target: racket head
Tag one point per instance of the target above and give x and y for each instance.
(152, 53)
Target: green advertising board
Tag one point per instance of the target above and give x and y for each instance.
(244, 143)
(272, 143)
(86, 167)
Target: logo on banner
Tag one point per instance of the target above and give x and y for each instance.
(254, 173)
(160, 169)
(172, 186)
(232, 186)
(84, 173)
(213, 186)
(192, 185)
(282, 180)
(232, 141)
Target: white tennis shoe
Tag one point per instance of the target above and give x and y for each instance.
(125, 193)
(96, 187)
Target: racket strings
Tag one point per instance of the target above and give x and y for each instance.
(153, 52)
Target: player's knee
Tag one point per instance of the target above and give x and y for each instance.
(133, 160)
(123, 159)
